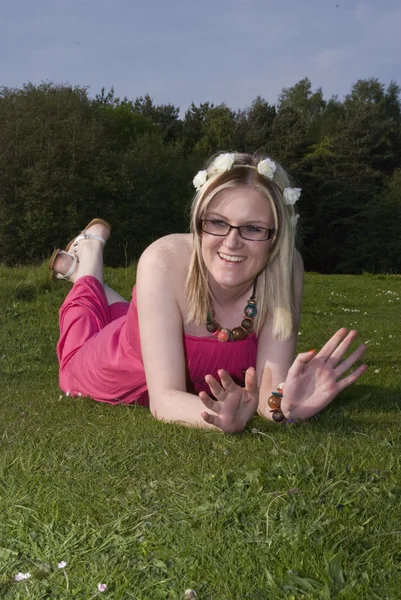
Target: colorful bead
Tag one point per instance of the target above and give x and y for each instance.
(278, 416)
(251, 310)
(274, 402)
(223, 335)
(239, 333)
(247, 324)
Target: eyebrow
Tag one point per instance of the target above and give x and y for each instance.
(251, 222)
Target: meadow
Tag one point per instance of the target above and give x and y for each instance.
(95, 494)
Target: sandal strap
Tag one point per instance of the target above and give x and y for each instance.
(72, 268)
(87, 236)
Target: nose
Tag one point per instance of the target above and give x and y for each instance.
(233, 239)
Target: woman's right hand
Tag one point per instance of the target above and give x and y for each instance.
(234, 405)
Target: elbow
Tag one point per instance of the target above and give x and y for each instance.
(158, 402)
(155, 410)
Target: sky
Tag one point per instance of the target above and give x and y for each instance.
(184, 51)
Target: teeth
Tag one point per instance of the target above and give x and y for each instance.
(231, 258)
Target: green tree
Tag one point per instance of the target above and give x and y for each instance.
(217, 131)
(164, 116)
(48, 146)
(346, 174)
(380, 244)
(296, 128)
(254, 127)
(153, 198)
(193, 125)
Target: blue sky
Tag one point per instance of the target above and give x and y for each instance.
(183, 51)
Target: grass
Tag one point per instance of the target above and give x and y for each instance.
(310, 511)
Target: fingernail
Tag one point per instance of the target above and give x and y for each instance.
(310, 351)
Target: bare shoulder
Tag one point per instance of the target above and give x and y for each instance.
(169, 253)
(168, 249)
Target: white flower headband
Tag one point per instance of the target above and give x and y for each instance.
(266, 167)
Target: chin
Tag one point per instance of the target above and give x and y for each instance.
(234, 281)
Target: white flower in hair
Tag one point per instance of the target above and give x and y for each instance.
(267, 168)
(200, 180)
(221, 163)
(291, 195)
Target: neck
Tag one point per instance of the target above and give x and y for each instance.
(228, 296)
(228, 305)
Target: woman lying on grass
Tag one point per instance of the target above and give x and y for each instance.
(214, 315)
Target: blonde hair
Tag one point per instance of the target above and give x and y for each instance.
(275, 283)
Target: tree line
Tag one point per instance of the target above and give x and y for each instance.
(66, 157)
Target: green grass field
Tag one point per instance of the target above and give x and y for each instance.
(307, 511)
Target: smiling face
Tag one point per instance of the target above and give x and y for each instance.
(233, 262)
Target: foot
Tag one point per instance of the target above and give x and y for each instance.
(61, 265)
(97, 232)
(99, 229)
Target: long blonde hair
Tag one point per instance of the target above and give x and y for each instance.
(275, 283)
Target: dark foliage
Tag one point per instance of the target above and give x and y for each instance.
(65, 158)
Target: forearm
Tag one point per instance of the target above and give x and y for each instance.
(175, 406)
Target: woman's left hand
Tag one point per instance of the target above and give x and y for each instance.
(313, 380)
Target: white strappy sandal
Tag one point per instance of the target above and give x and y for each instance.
(73, 245)
(55, 274)
(87, 236)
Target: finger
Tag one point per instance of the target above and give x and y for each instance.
(297, 367)
(350, 361)
(352, 377)
(251, 382)
(215, 387)
(211, 419)
(341, 349)
(209, 402)
(226, 380)
(332, 344)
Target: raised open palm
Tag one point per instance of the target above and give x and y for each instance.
(234, 405)
(314, 379)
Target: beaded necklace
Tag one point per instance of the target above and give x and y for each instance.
(238, 333)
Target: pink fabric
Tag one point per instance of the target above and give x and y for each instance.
(100, 356)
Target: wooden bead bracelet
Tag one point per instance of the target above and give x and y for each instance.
(274, 403)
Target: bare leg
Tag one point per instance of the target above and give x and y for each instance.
(90, 253)
(90, 256)
(63, 263)
(111, 295)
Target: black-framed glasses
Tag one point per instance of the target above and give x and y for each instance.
(253, 233)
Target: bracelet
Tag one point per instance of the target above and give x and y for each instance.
(274, 403)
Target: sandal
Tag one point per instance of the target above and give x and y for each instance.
(74, 243)
(55, 274)
(87, 236)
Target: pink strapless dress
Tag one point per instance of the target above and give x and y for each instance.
(100, 355)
